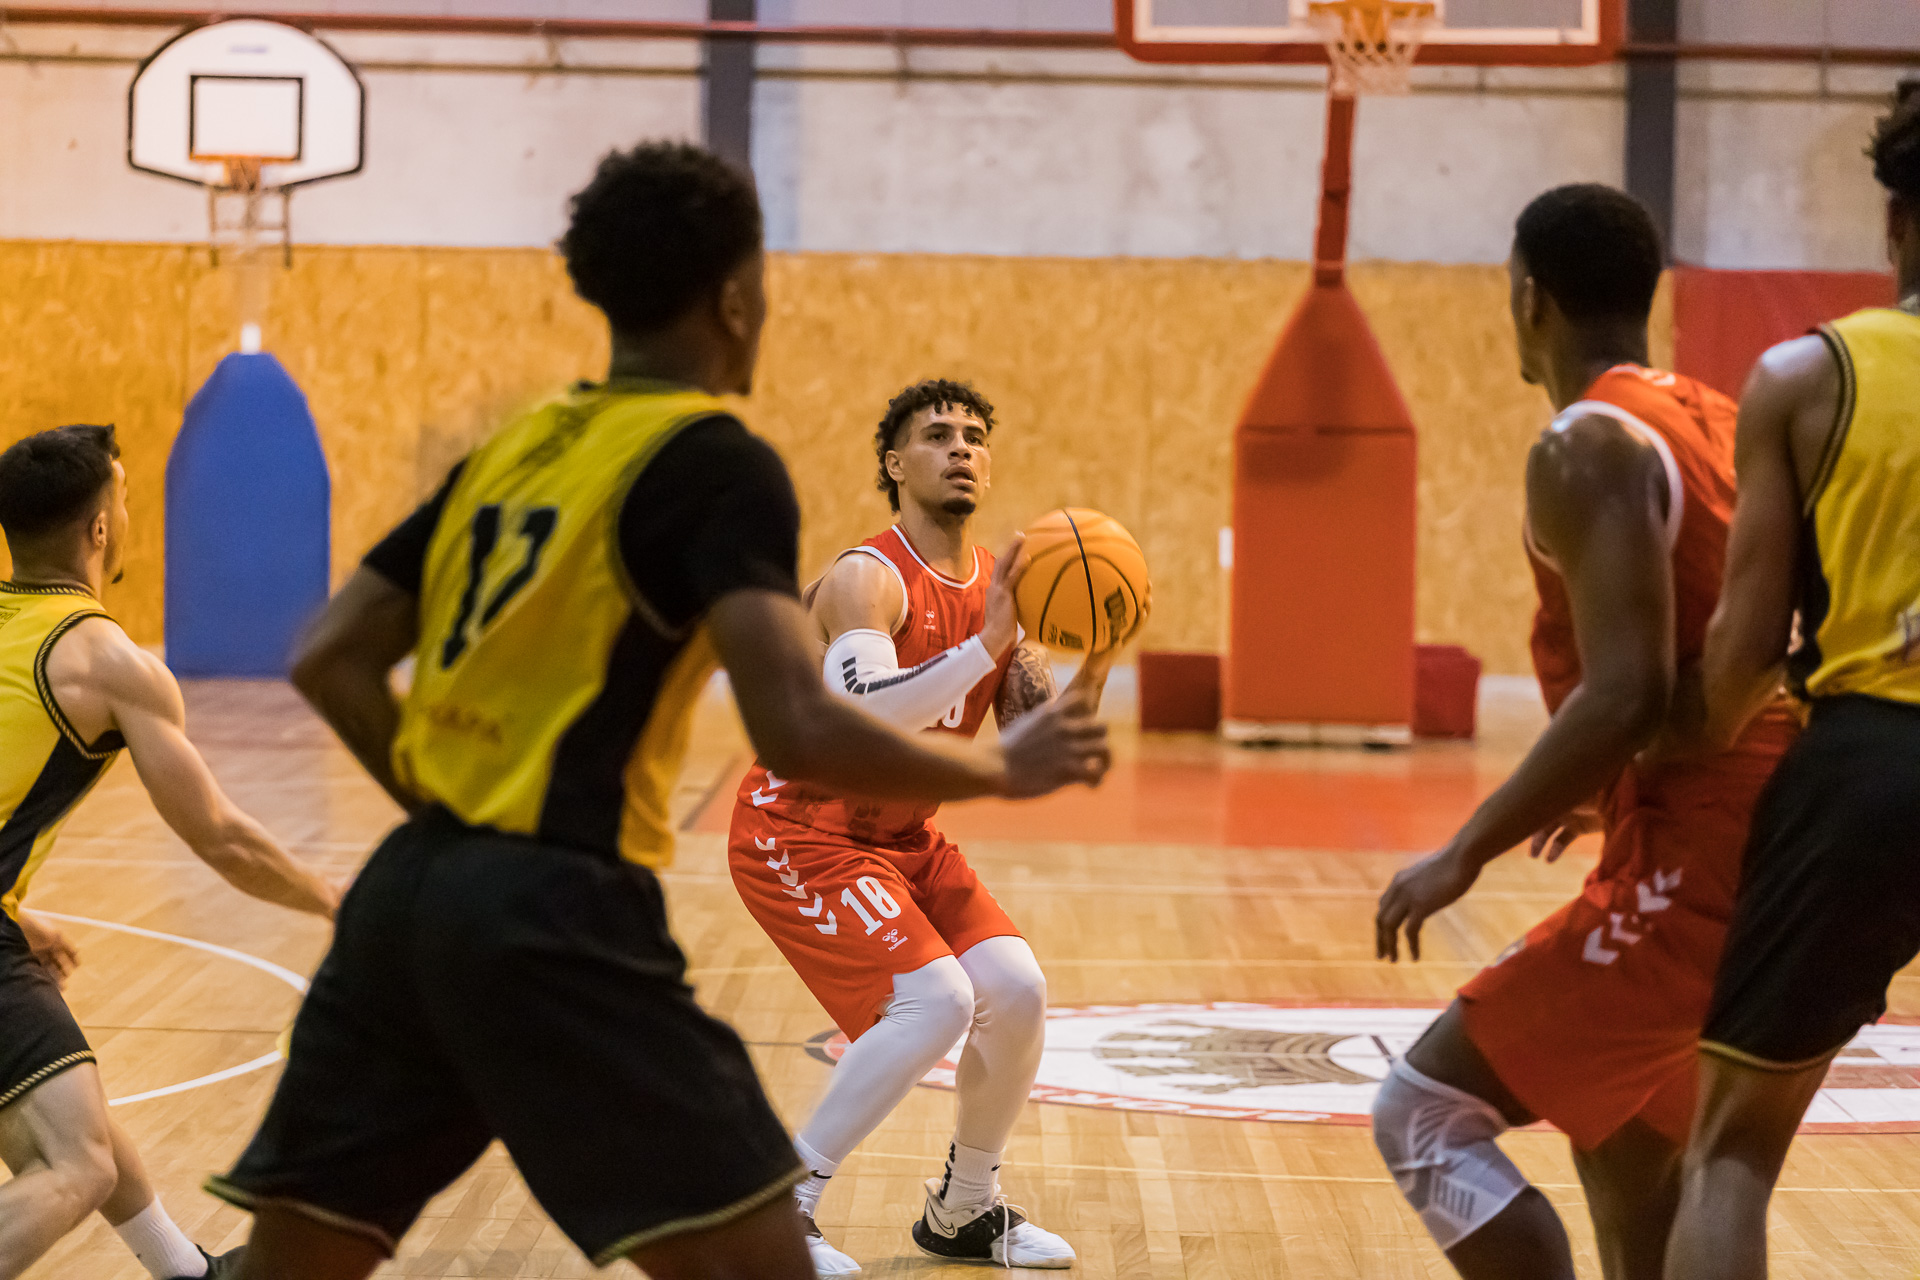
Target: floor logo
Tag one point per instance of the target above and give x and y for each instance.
(1321, 1063)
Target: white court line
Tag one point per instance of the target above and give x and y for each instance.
(264, 1060)
(1224, 1175)
(285, 975)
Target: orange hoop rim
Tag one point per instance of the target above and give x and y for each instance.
(240, 174)
(1371, 44)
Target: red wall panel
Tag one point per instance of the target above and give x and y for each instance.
(1723, 320)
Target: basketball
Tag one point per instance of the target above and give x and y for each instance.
(1086, 588)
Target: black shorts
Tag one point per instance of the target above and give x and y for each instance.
(481, 986)
(1829, 905)
(38, 1036)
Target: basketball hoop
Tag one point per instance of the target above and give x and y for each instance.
(247, 109)
(1371, 44)
(237, 215)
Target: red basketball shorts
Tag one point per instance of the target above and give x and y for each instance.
(849, 916)
(1593, 1018)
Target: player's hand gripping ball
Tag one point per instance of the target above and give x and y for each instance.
(1085, 590)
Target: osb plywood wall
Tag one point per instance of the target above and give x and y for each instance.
(1117, 383)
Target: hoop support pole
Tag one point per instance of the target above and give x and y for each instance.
(1336, 186)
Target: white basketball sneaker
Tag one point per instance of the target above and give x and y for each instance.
(996, 1233)
(827, 1260)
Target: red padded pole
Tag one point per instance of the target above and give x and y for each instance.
(1336, 185)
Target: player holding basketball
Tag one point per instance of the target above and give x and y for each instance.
(1829, 911)
(877, 911)
(1590, 1021)
(503, 967)
(74, 693)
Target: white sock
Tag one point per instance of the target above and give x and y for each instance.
(972, 1176)
(163, 1249)
(819, 1170)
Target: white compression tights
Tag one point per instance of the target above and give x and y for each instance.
(996, 996)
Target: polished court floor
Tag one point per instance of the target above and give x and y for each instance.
(1205, 923)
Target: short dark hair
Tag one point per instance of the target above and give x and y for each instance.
(52, 478)
(935, 394)
(1896, 149)
(658, 228)
(1594, 250)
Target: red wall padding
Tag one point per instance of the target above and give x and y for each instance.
(1723, 320)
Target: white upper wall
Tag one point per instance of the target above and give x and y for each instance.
(479, 140)
(1887, 24)
(1101, 157)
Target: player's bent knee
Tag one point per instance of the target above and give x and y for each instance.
(1439, 1144)
(1023, 1000)
(936, 999)
(1013, 999)
(85, 1177)
(1008, 982)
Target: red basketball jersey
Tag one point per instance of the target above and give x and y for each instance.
(939, 613)
(1691, 426)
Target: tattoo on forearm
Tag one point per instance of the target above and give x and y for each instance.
(1028, 683)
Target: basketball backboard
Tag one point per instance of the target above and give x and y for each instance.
(1462, 33)
(246, 95)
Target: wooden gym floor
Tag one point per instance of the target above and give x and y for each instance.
(1198, 874)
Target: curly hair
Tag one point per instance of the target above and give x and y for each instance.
(52, 478)
(932, 393)
(1896, 149)
(658, 228)
(1594, 250)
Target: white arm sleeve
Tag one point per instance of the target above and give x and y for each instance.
(863, 667)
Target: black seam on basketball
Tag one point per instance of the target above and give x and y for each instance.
(1093, 605)
(1046, 605)
(1121, 577)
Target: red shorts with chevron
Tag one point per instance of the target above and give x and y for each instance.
(1593, 1018)
(849, 916)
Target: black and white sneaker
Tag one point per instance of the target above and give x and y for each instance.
(827, 1260)
(226, 1266)
(996, 1233)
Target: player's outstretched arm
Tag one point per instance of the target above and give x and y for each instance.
(344, 667)
(770, 649)
(1596, 501)
(1792, 394)
(104, 676)
(859, 604)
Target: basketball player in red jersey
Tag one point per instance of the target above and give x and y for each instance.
(878, 912)
(1590, 1021)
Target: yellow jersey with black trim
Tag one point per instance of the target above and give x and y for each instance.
(549, 698)
(45, 767)
(1860, 541)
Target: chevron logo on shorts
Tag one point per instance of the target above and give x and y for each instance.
(1623, 929)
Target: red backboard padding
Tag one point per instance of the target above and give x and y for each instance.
(1723, 320)
(1323, 518)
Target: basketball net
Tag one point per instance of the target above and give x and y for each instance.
(237, 222)
(1371, 43)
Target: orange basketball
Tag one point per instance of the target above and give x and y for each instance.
(1085, 589)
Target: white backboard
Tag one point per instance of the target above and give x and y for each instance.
(246, 88)
(1475, 32)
